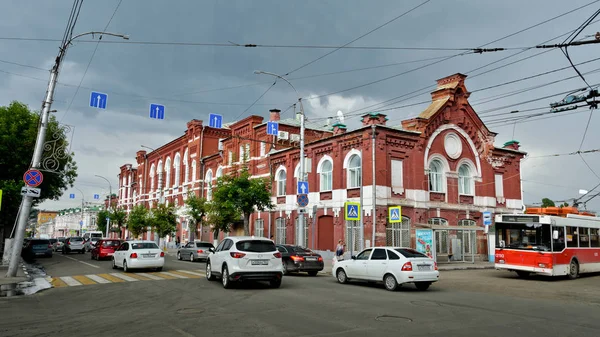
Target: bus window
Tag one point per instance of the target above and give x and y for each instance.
(584, 237)
(572, 240)
(559, 244)
(595, 238)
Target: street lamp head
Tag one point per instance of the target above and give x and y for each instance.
(257, 72)
(125, 37)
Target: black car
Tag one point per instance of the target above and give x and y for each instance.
(300, 259)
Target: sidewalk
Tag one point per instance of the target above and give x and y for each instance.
(21, 276)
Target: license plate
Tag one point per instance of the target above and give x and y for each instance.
(424, 267)
(110, 254)
(259, 262)
(148, 255)
(311, 259)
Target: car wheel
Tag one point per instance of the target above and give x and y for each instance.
(209, 274)
(159, 269)
(285, 268)
(523, 274)
(125, 268)
(82, 251)
(225, 278)
(92, 256)
(573, 270)
(275, 283)
(114, 264)
(390, 282)
(422, 286)
(64, 252)
(191, 257)
(313, 273)
(178, 256)
(341, 276)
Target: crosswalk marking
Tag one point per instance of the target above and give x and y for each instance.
(71, 282)
(91, 279)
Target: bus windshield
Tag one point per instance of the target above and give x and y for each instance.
(526, 236)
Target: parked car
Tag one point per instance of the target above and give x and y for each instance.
(300, 259)
(394, 266)
(138, 254)
(105, 248)
(59, 243)
(37, 247)
(74, 244)
(193, 251)
(245, 258)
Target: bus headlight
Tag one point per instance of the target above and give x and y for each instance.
(542, 265)
(500, 261)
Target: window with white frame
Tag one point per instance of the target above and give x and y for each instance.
(398, 233)
(259, 227)
(326, 176)
(186, 172)
(263, 149)
(177, 165)
(397, 178)
(247, 151)
(280, 231)
(465, 180)
(193, 170)
(219, 173)
(209, 185)
(241, 152)
(354, 172)
(168, 173)
(281, 182)
(230, 157)
(436, 175)
(499, 182)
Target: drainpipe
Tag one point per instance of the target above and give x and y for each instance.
(270, 214)
(361, 223)
(201, 161)
(374, 211)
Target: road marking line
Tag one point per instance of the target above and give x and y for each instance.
(84, 280)
(71, 282)
(152, 277)
(138, 276)
(164, 276)
(191, 272)
(174, 274)
(88, 264)
(124, 277)
(110, 278)
(58, 283)
(97, 279)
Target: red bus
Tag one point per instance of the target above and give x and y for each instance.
(552, 245)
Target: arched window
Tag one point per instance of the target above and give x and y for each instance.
(159, 172)
(354, 172)
(209, 177)
(168, 173)
(465, 180)
(177, 165)
(152, 175)
(193, 171)
(436, 174)
(219, 172)
(281, 181)
(186, 172)
(326, 176)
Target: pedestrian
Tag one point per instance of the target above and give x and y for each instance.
(177, 242)
(339, 251)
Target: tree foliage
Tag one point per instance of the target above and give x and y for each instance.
(164, 220)
(243, 194)
(138, 221)
(196, 211)
(118, 219)
(18, 133)
(101, 220)
(221, 215)
(547, 203)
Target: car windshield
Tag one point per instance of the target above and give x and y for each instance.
(76, 239)
(297, 249)
(61, 239)
(407, 252)
(255, 246)
(204, 244)
(40, 242)
(113, 243)
(53, 240)
(144, 245)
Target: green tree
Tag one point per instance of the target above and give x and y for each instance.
(547, 203)
(101, 220)
(138, 221)
(243, 193)
(18, 132)
(197, 209)
(164, 220)
(221, 215)
(118, 219)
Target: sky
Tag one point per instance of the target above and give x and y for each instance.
(201, 70)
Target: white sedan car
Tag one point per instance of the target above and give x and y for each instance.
(138, 255)
(393, 266)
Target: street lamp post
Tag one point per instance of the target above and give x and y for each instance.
(39, 149)
(109, 199)
(301, 177)
(81, 220)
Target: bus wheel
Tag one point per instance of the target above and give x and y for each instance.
(573, 270)
(523, 274)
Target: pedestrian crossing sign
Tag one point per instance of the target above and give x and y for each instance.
(395, 214)
(352, 211)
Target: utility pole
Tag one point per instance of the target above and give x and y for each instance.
(39, 150)
(109, 200)
(302, 174)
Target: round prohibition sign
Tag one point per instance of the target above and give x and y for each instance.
(33, 178)
(302, 200)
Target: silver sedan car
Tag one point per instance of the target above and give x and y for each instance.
(197, 250)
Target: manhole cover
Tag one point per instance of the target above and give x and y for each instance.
(187, 311)
(426, 303)
(391, 318)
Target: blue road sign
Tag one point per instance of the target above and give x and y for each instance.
(80, 222)
(157, 111)
(272, 128)
(487, 218)
(395, 214)
(72, 196)
(352, 211)
(98, 100)
(302, 200)
(96, 196)
(215, 121)
(302, 187)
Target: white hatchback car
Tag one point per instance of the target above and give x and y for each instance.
(241, 258)
(393, 266)
(137, 255)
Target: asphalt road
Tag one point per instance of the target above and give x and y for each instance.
(463, 303)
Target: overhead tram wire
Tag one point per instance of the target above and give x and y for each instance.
(253, 103)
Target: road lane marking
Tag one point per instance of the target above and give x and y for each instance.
(71, 282)
(164, 276)
(174, 274)
(58, 283)
(111, 278)
(124, 277)
(84, 280)
(152, 277)
(88, 264)
(97, 279)
(138, 276)
(191, 272)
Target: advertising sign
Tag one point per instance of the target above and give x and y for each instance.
(425, 242)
